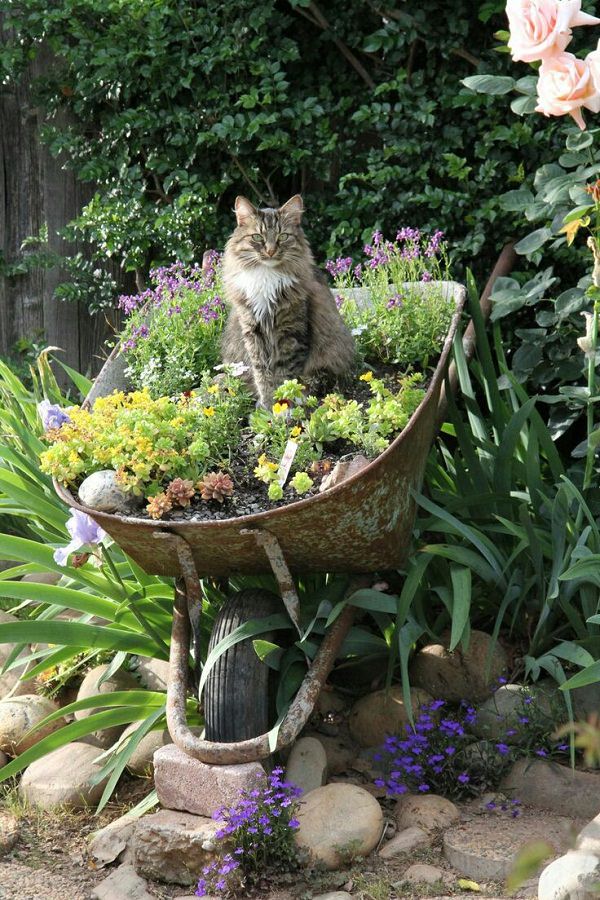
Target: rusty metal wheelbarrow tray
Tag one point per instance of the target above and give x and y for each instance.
(361, 525)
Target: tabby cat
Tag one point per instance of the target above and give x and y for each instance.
(283, 321)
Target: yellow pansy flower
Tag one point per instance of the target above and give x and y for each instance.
(279, 408)
(368, 376)
(209, 410)
(296, 430)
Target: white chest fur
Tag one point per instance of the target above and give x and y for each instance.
(261, 287)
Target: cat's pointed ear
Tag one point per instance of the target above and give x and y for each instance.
(243, 210)
(293, 209)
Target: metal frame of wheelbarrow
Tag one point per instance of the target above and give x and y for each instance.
(188, 606)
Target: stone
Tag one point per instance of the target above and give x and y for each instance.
(547, 785)
(107, 844)
(377, 715)
(10, 682)
(459, 675)
(18, 715)
(342, 470)
(428, 811)
(102, 491)
(333, 895)
(42, 577)
(570, 877)
(407, 840)
(185, 783)
(9, 831)
(153, 673)
(500, 713)
(485, 848)
(141, 761)
(122, 884)
(420, 873)
(173, 846)
(338, 822)
(588, 840)
(330, 703)
(340, 751)
(307, 764)
(64, 778)
(90, 686)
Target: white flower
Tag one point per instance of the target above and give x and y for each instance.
(359, 330)
(586, 343)
(235, 369)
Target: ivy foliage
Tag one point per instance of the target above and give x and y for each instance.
(172, 107)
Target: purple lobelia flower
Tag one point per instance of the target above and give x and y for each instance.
(52, 415)
(84, 533)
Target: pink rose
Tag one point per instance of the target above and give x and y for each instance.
(565, 85)
(540, 29)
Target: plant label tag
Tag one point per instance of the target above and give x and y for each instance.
(286, 462)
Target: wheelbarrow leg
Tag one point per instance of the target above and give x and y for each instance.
(218, 753)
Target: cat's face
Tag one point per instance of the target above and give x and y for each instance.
(268, 237)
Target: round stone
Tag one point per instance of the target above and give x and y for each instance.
(338, 822)
(65, 777)
(423, 874)
(548, 785)
(153, 673)
(405, 842)
(383, 713)
(428, 811)
(307, 764)
(141, 761)
(340, 752)
(570, 877)
(485, 848)
(9, 831)
(102, 491)
(10, 682)
(91, 686)
(18, 715)
(460, 675)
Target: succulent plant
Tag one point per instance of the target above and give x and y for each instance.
(181, 491)
(158, 506)
(215, 486)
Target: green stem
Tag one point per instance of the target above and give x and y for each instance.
(132, 603)
(591, 449)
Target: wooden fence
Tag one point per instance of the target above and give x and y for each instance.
(36, 190)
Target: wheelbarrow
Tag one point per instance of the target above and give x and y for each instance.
(361, 525)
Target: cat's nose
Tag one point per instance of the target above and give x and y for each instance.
(270, 250)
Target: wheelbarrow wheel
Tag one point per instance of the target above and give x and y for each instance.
(237, 695)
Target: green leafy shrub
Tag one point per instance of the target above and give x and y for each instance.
(173, 330)
(172, 109)
(399, 323)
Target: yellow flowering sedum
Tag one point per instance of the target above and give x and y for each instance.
(148, 442)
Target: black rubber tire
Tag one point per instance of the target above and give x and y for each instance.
(237, 696)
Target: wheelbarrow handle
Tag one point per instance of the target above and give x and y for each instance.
(504, 266)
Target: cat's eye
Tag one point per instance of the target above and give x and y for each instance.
(283, 236)
(258, 238)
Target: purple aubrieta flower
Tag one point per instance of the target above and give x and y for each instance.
(52, 415)
(84, 533)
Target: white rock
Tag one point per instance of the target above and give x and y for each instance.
(18, 715)
(408, 839)
(423, 874)
(333, 895)
(307, 764)
(570, 877)
(338, 822)
(122, 884)
(427, 811)
(102, 491)
(90, 686)
(64, 778)
(588, 840)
